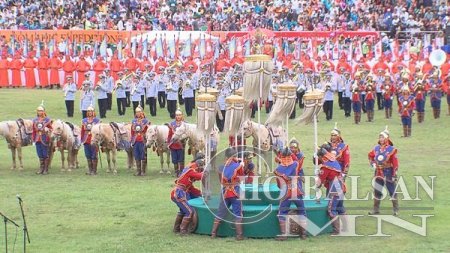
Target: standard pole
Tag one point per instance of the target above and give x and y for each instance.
(5, 220)
(26, 236)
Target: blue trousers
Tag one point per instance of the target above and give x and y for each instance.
(335, 206)
(285, 205)
(90, 151)
(436, 103)
(41, 150)
(386, 181)
(406, 121)
(180, 198)
(387, 103)
(177, 155)
(420, 105)
(236, 207)
(139, 151)
(370, 105)
(356, 106)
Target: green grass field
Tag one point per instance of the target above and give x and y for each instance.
(72, 212)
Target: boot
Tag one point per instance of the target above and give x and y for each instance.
(386, 113)
(41, 167)
(138, 168)
(343, 219)
(356, 117)
(409, 131)
(184, 225)
(423, 116)
(395, 206)
(46, 164)
(359, 117)
(215, 228)
(176, 169)
(94, 167)
(303, 232)
(144, 168)
(176, 226)
(336, 227)
(438, 113)
(376, 207)
(180, 167)
(405, 131)
(390, 112)
(419, 117)
(239, 231)
(89, 162)
(282, 236)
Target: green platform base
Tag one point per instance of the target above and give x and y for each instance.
(263, 226)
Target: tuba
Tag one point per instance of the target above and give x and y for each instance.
(437, 57)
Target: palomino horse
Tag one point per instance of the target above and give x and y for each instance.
(111, 138)
(66, 137)
(17, 135)
(268, 139)
(157, 137)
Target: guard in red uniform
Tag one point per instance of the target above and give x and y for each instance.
(90, 150)
(4, 66)
(68, 66)
(55, 66)
(249, 167)
(116, 66)
(230, 174)
(98, 67)
(82, 68)
(185, 190)
(16, 66)
(388, 96)
(406, 105)
(42, 127)
(370, 102)
(43, 64)
(330, 175)
(139, 127)
(131, 63)
(29, 64)
(383, 159)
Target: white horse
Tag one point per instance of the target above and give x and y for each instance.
(17, 135)
(157, 138)
(196, 141)
(105, 137)
(65, 138)
(265, 139)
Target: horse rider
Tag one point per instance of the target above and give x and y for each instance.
(90, 150)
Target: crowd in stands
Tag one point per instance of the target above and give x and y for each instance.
(226, 15)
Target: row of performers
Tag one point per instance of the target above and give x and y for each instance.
(333, 163)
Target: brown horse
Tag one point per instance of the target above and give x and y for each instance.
(64, 137)
(17, 134)
(157, 136)
(111, 138)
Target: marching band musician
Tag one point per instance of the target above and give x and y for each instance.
(224, 91)
(121, 96)
(436, 95)
(110, 86)
(139, 127)
(379, 81)
(356, 98)
(137, 89)
(102, 97)
(370, 101)
(172, 94)
(42, 127)
(151, 91)
(419, 94)
(90, 150)
(362, 83)
(346, 83)
(127, 84)
(69, 89)
(187, 93)
(142, 82)
(87, 98)
(300, 80)
(330, 87)
(87, 78)
(388, 95)
(406, 106)
(162, 79)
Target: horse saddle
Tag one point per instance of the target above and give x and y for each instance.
(274, 131)
(118, 128)
(23, 127)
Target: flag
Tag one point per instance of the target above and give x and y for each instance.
(335, 53)
(133, 46)
(51, 47)
(74, 48)
(350, 53)
(394, 50)
(66, 49)
(159, 47)
(38, 49)
(187, 50)
(202, 48)
(276, 49)
(13, 46)
(25, 47)
(406, 49)
(95, 51)
(119, 50)
(103, 48)
(378, 49)
(171, 47)
(144, 48)
(216, 49)
(231, 48)
(247, 47)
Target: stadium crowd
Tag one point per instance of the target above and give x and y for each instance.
(225, 15)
